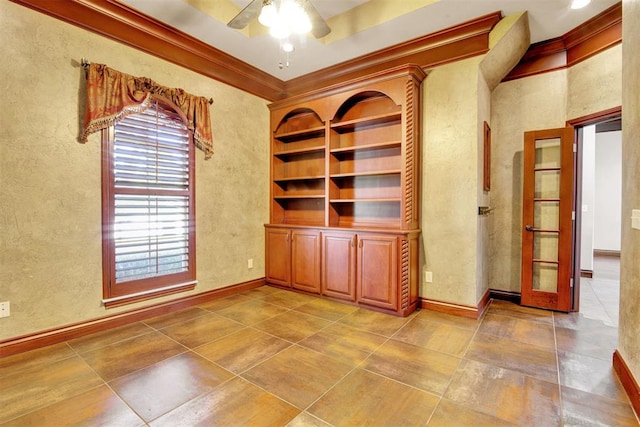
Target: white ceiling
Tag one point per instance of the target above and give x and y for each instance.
(547, 19)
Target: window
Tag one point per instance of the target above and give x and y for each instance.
(148, 205)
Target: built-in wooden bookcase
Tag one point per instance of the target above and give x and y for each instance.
(298, 169)
(365, 163)
(345, 187)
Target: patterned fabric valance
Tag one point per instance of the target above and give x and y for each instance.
(112, 95)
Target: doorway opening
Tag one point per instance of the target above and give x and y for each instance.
(597, 229)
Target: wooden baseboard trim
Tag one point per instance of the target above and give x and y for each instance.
(586, 273)
(510, 296)
(629, 383)
(606, 252)
(65, 333)
(457, 309)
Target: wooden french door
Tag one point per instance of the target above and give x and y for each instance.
(547, 228)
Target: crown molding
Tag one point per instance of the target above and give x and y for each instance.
(452, 44)
(592, 37)
(124, 24)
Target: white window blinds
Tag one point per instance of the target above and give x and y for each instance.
(151, 195)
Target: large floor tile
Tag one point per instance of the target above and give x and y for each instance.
(160, 388)
(304, 419)
(298, 375)
(326, 309)
(590, 374)
(288, 299)
(43, 385)
(40, 357)
(530, 360)
(292, 325)
(234, 403)
(108, 337)
(251, 312)
(374, 322)
(598, 341)
(364, 398)
(97, 407)
(261, 291)
(586, 409)
(451, 414)
(510, 309)
(448, 319)
(201, 330)
(165, 320)
(526, 331)
(124, 357)
(344, 343)
(242, 350)
(220, 303)
(425, 369)
(436, 336)
(505, 394)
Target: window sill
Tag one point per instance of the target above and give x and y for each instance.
(148, 295)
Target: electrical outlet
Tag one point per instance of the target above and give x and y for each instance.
(250, 263)
(428, 277)
(4, 309)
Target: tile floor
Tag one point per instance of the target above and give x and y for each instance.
(600, 295)
(271, 357)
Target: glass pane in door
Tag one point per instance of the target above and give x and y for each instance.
(545, 246)
(547, 184)
(547, 153)
(545, 277)
(546, 213)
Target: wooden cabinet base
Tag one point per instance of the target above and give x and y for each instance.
(374, 269)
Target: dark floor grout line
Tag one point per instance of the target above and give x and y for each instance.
(555, 341)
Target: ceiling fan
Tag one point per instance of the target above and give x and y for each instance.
(258, 8)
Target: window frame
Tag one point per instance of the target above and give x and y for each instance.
(115, 295)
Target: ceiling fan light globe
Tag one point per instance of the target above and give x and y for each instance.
(280, 30)
(268, 15)
(287, 47)
(302, 25)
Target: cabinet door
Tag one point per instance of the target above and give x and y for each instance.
(305, 259)
(278, 256)
(378, 271)
(339, 265)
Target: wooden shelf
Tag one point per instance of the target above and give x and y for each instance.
(300, 134)
(368, 200)
(366, 147)
(299, 196)
(364, 122)
(299, 178)
(299, 151)
(366, 173)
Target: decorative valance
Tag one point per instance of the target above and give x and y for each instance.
(112, 95)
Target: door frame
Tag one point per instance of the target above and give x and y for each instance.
(578, 123)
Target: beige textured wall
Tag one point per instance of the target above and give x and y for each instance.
(628, 336)
(539, 102)
(595, 84)
(456, 102)
(50, 214)
(450, 181)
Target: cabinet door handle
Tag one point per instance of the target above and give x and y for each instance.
(353, 242)
(287, 238)
(360, 244)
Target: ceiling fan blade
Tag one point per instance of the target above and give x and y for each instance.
(319, 27)
(242, 19)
